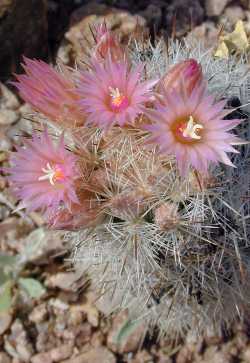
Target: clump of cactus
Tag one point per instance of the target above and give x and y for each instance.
(131, 160)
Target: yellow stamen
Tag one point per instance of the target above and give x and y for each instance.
(191, 129)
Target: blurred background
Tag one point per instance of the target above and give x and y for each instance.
(50, 28)
(46, 310)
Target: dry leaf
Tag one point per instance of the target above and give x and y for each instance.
(233, 42)
(222, 51)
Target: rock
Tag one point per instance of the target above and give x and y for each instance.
(62, 352)
(230, 349)
(87, 306)
(123, 340)
(245, 4)
(7, 98)
(97, 339)
(247, 15)
(185, 355)
(39, 314)
(84, 18)
(17, 344)
(14, 134)
(26, 110)
(41, 358)
(64, 53)
(215, 7)
(83, 334)
(39, 245)
(5, 321)
(63, 280)
(5, 144)
(4, 358)
(23, 30)
(234, 13)
(153, 16)
(129, 23)
(142, 357)
(76, 317)
(8, 117)
(8, 229)
(37, 218)
(188, 13)
(96, 355)
(206, 32)
(12, 229)
(3, 157)
(44, 341)
(246, 354)
(163, 358)
(25, 123)
(4, 214)
(3, 181)
(58, 305)
(212, 355)
(241, 341)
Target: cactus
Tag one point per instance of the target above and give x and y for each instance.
(161, 231)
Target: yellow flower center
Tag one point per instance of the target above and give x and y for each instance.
(52, 173)
(118, 100)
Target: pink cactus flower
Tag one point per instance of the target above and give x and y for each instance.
(188, 71)
(112, 94)
(42, 175)
(50, 92)
(107, 44)
(192, 128)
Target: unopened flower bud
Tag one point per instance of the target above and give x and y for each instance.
(107, 43)
(166, 216)
(188, 72)
(127, 205)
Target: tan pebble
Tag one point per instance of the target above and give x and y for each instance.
(5, 321)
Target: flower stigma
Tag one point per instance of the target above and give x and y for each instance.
(191, 129)
(53, 174)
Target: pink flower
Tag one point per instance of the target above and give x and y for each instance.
(42, 175)
(187, 71)
(192, 128)
(113, 94)
(107, 44)
(50, 92)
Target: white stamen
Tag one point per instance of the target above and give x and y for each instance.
(191, 129)
(49, 174)
(114, 92)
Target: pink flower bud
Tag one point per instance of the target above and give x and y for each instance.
(188, 71)
(107, 43)
(127, 205)
(166, 216)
